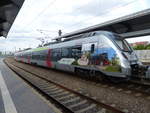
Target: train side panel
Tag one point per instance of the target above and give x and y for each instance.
(96, 53)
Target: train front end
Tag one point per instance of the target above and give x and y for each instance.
(129, 62)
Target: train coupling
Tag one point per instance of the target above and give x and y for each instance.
(140, 71)
(144, 72)
(141, 75)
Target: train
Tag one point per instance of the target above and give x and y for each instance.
(99, 54)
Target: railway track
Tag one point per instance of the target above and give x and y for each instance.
(69, 100)
(131, 87)
(137, 87)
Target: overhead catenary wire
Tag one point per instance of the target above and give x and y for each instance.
(36, 17)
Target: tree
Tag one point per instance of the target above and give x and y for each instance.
(139, 47)
(148, 46)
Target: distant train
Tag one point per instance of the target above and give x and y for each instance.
(98, 53)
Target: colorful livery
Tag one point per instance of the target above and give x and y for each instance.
(95, 53)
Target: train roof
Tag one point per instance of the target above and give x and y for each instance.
(40, 48)
(34, 50)
(80, 36)
(84, 34)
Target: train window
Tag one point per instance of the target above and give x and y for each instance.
(53, 54)
(35, 56)
(86, 47)
(123, 45)
(32, 55)
(56, 54)
(65, 52)
(89, 47)
(92, 48)
(59, 53)
(43, 55)
(76, 52)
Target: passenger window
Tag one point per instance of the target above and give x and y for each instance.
(76, 52)
(65, 52)
(92, 48)
(89, 47)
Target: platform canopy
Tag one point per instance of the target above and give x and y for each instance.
(133, 25)
(8, 12)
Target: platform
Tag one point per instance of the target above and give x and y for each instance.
(18, 97)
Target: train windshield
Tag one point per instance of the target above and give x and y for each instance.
(122, 44)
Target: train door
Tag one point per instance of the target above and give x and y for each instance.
(28, 57)
(22, 58)
(48, 58)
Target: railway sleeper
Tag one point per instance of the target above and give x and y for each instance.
(81, 106)
(66, 97)
(71, 100)
(44, 85)
(78, 104)
(52, 86)
(55, 93)
(46, 89)
(55, 89)
(103, 110)
(91, 106)
(61, 94)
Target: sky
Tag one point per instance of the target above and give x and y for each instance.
(41, 19)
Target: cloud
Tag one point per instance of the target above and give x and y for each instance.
(98, 7)
(68, 15)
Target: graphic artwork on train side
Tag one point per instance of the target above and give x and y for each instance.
(101, 56)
